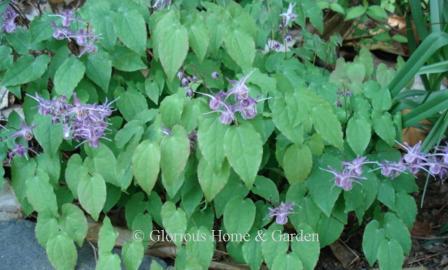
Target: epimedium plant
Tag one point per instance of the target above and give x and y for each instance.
(200, 116)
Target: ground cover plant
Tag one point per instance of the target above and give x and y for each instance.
(207, 118)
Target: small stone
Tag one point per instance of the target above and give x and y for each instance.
(9, 205)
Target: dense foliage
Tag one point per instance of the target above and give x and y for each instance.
(198, 117)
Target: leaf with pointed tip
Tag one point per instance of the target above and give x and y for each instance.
(106, 237)
(99, 69)
(358, 134)
(132, 254)
(239, 216)
(297, 163)
(48, 135)
(244, 150)
(92, 194)
(175, 222)
(40, 194)
(171, 40)
(146, 165)
(306, 248)
(390, 255)
(68, 75)
(212, 179)
(74, 222)
(372, 239)
(26, 69)
(211, 139)
(46, 227)
(327, 125)
(241, 48)
(62, 252)
(175, 149)
(131, 29)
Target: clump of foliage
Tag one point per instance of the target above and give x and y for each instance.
(196, 116)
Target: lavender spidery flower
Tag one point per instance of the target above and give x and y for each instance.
(392, 169)
(89, 121)
(227, 117)
(342, 179)
(239, 88)
(247, 107)
(217, 101)
(355, 166)
(351, 172)
(281, 212)
(67, 17)
(289, 15)
(18, 150)
(444, 153)
(25, 132)
(84, 38)
(413, 153)
(61, 33)
(82, 122)
(9, 18)
(240, 102)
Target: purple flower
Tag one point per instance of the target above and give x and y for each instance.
(355, 166)
(289, 15)
(215, 75)
(275, 46)
(180, 74)
(85, 39)
(435, 168)
(241, 102)
(82, 122)
(17, 150)
(392, 169)
(239, 88)
(444, 153)
(25, 132)
(89, 48)
(435, 165)
(184, 82)
(247, 108)
(281, 212)
(189, 92)
(344, 179)
(413, 153)
(443, 173)
(57, 108)
(9, 20)
(61, 33)
(67, 17)
(217, 101)
(288, 38)
(89, 121)
(227, 117)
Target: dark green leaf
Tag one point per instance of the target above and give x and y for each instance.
(68, 75)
